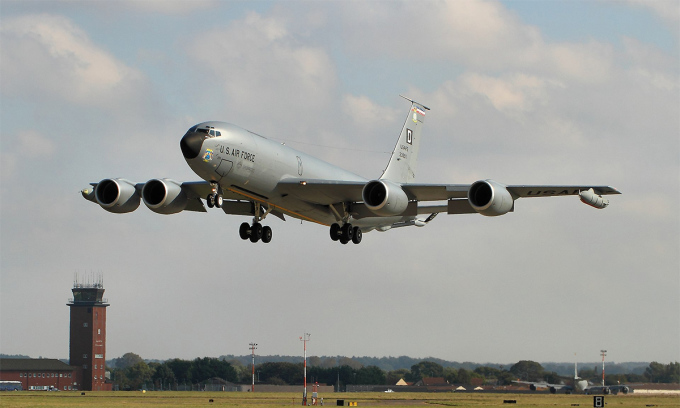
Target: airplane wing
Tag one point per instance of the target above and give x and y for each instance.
(541, 385)
(128, 195)
(327, 192)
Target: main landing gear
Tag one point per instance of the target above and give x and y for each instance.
(256, 231)
(346, 233)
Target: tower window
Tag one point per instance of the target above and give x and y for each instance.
(85, 324)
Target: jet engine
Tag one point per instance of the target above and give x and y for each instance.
(490, 198)
(164, 196)
(592, 199)
(384, 197)
(117, 195)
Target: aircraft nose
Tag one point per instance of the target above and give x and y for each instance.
(191, 144)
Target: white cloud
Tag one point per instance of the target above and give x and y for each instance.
(366, 113)
(666, 10)
(48, 56)
(260, 67)
(516, 92)
(168, 7)
(479, 33)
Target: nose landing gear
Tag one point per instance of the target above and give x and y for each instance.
(215, 198)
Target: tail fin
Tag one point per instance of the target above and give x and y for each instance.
(402, 165)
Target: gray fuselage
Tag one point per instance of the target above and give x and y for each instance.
(250, 166)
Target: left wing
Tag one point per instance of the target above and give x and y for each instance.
(486, 197)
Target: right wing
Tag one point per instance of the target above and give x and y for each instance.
(163, 196)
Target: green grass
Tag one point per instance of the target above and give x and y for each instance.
(260, 400)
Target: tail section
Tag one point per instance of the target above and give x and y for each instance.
(402, 165)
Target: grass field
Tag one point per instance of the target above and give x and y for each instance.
(239, 399)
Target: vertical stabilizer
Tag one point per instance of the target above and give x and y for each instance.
(402, 165)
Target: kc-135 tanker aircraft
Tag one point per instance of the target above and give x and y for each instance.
(246, 174)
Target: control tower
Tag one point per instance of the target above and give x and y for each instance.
(87, 344)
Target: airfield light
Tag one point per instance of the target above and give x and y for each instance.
(604, 353)
(304, 339)
(253, 346)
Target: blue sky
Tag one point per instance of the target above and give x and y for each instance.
(521, 92)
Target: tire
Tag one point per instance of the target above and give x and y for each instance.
(344, 241)
(335, 231)
(244, 231)
(256, 232)
(357, 235)
(347, 232)
(219, 200)
(211, 200)
(266, 235)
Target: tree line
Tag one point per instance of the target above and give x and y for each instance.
(131, 372)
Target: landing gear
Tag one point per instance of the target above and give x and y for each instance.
(256, 232)
(345, 233)
(357, 235)
(214, 199)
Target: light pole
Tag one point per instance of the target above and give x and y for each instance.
(304, 339)
(253, 346)
(604, 353)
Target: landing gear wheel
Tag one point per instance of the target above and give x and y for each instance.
(335, 231)
(266, 234)
(347, 232)
(211, 200)
(356, 235)
(244, 231)
(344, 241)
(219, 200)
(256, 232)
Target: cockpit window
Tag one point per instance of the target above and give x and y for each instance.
(218, 133)
(212, 132)
(202, 130)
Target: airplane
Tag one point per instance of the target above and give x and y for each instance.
(578, 385)
(246, 174)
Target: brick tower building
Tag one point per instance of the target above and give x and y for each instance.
(87, 344)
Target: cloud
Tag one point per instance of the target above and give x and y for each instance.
(367, 114)
(475, 33)
(167, 7)
(667, 10)
(48, 56)
(259, 66)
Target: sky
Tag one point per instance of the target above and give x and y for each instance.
(520, 92)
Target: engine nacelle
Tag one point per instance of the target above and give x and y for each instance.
(592, 199)
(490, 198)
(164, 196)
(384, 197)
(117, 195)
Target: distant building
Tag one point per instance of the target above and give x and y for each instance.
(39, 374)
(87, 342)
